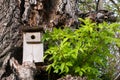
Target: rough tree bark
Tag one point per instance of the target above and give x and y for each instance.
(17, 14)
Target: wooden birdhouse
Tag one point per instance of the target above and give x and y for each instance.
(32, 45)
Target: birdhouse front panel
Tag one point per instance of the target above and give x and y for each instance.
(32, 47)
(33, 37)
(27, 52)
(38, 52)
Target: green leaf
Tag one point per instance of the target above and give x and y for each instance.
(80, 73)
(62, 67)
(63, 42)
(49, 68)
(83, 70)
(69, 64)
(77, 69)
(56, 71)
(66, 69)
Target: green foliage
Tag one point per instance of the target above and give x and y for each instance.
(82, 51)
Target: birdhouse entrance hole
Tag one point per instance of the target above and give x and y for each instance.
(32, 36)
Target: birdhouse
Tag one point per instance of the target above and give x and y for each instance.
(32, 45)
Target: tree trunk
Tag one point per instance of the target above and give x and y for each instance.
(17, 14)
(99, 5)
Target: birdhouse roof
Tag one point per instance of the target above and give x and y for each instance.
(32, 29)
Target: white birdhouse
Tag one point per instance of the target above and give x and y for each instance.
(32, 47)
